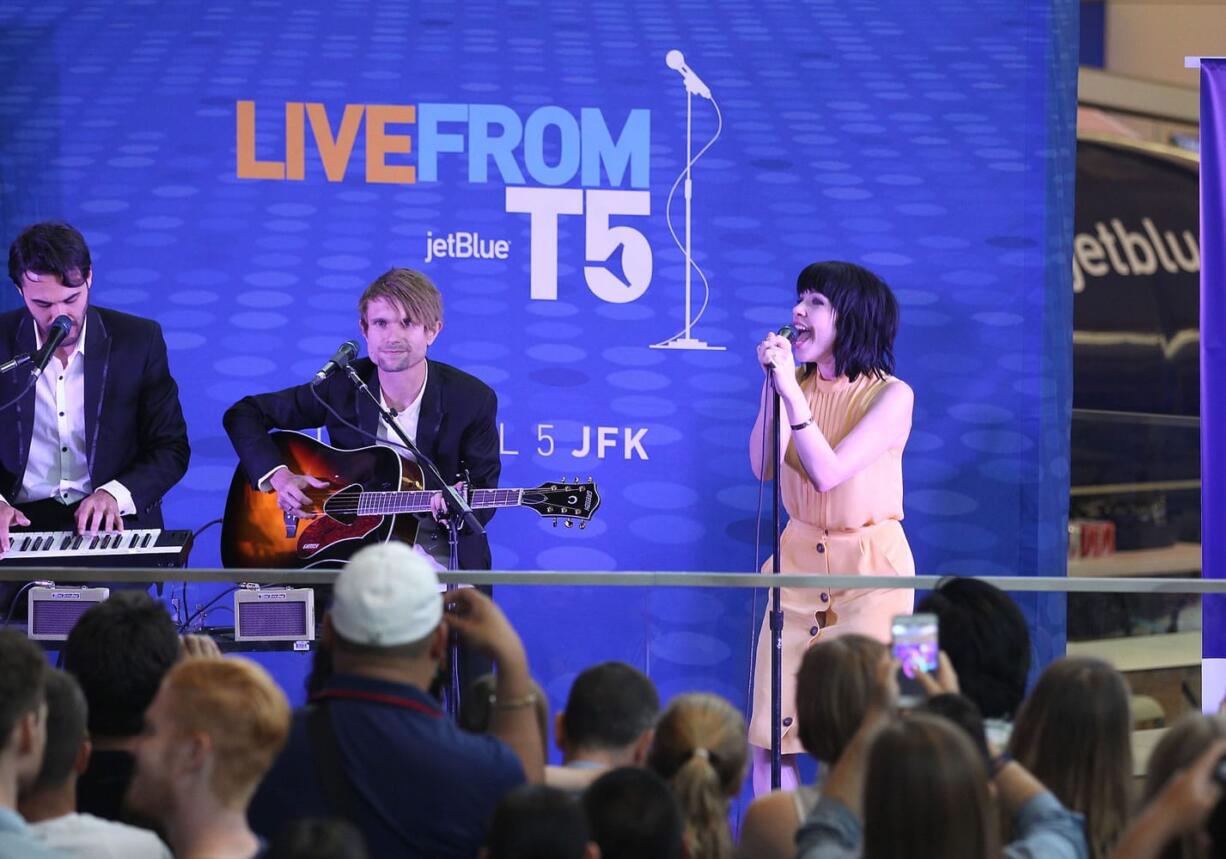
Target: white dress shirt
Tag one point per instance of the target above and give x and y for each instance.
(58, 466)
(407, 420)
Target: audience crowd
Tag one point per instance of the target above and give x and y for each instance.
(153, 745)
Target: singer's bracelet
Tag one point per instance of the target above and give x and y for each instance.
(801, 425)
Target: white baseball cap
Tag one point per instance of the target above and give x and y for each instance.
(386, 595)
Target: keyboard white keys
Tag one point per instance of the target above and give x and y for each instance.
(136, 547)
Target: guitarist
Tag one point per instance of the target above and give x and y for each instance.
(449, 415)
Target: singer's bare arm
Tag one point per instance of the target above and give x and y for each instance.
(885, 426)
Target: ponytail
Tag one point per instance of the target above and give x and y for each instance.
(704, 806)
(701, 749)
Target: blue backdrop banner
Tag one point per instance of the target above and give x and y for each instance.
(1213, 356)
(242, 171)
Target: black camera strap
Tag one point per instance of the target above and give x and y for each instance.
(337, 790)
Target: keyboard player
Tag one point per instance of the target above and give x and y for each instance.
(99, 437)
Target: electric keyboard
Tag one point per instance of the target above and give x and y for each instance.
(139, 547)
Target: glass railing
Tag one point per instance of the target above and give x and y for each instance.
(694, 631)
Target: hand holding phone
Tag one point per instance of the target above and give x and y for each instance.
(914, 646)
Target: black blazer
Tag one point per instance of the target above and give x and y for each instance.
(457, 429)
(134, 427)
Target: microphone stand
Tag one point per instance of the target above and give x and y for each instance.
(458, 512)
(12, 364)
(686, 341)
(16, 361)
(776, 612)
(689, 198)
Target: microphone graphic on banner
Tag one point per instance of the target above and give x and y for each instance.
(694, 86)
(55, 336)
(339, 361)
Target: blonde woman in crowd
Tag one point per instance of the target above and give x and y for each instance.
(834, 688)
(1074, 734)
(701, 751)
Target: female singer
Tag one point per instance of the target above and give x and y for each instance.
(845, 422)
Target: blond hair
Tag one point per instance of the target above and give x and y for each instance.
(834, 688)
(410, 290)
(242, 711)
(926, 794)
(1074, 734)
(701, 749)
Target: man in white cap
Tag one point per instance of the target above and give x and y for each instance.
(374, 747)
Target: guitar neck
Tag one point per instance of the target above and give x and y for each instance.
(420, 501)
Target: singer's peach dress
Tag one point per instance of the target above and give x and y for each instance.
(852, 529)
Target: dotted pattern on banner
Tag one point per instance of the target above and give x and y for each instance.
(911, 138)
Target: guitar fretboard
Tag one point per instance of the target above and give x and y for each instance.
(385, 503)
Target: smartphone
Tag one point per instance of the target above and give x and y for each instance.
(913, 642)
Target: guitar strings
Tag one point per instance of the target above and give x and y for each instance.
(397, 499)
(422, 499)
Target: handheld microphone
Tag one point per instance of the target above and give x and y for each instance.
(788, 333)
(346, 353)
(55, 336)
(674, 59)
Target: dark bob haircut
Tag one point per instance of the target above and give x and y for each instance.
(985, 635)
(866, 317)
(50, 248)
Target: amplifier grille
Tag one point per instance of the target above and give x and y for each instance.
(272, 619)
(53, 619)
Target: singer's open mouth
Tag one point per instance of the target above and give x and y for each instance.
(803, 334)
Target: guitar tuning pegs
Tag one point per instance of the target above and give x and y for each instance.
(570, 523)
(582, 525)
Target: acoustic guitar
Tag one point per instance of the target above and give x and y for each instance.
(371, 496)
